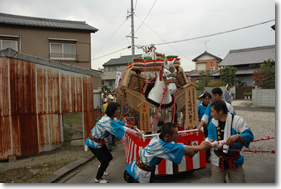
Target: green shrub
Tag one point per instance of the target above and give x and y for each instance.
(247, 94)
(215, 84)
(200, 85)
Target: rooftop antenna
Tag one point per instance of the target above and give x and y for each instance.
(206, 44)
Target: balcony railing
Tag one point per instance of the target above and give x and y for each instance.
(63, 57)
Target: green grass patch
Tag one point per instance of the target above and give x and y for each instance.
(72, 118)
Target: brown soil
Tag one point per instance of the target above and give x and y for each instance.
(33, 169)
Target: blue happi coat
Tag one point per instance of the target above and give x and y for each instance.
(103, 128)
(152, 154)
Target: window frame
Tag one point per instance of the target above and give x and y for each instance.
(63, 56)
(9, 38)
(200, 64)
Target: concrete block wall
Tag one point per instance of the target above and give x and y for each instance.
(263, 97)
(232, 90)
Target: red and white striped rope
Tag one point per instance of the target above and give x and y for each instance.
(248, 149)
(164, 90)
(257, 140)
(175, 106)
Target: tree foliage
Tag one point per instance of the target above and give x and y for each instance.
(105, 88)
(228, 75)
(200, 85)
(264, 77)
(205, 78)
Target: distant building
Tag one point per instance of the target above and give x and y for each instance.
(62, 41)
(204, 62)
(113, 66)
(247, 61)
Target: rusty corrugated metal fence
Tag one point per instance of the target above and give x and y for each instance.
(34, 93)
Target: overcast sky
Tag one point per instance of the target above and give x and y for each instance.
(161, 22)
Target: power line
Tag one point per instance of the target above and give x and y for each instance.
(214, 10)
(162, 39)
(188, 39)
(100, 47)
(216, 33)
(112, 53)
(146, 16)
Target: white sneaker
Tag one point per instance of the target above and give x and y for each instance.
(104, 173)
(100, 180)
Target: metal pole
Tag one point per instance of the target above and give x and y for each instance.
(132, 25)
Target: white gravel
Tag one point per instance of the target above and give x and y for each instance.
(262, 125)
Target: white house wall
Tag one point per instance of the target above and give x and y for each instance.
(205, 57)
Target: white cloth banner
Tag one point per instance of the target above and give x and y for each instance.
(118, 76)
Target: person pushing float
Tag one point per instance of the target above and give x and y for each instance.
(152, 91)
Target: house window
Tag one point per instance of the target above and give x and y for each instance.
(201, 66)
(110, 83)
(8, 43)
(112, 68)
(62, 51)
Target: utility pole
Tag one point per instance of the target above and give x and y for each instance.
(132, 25)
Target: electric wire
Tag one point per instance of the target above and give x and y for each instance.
(144, 19)
(219, 33)
(101, 47)
(112, 53)
(163, 39)
(166, 43)
(146, 16)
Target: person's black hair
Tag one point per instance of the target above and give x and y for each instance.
(216, 90)
(220, 105)
(111, 108)
(206, 94)
(167, 128)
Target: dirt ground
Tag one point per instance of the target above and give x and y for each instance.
(33, 169)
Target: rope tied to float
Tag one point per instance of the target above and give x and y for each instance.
(175, 105)
(218, 144)
(164, 91)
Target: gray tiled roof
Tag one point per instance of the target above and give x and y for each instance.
(45, 22)
(246, 71)
(195, 73)
(123, 60)
(249, 56)
(249, 71)
(215, 73)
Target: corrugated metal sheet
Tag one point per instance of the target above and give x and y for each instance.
(32, 100)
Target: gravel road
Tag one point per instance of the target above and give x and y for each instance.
(262, 123)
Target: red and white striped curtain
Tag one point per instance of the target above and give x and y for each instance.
(133, 145)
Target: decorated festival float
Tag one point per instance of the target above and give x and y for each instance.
(154, 90)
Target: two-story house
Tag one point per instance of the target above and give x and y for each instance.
(247, 61)
(204, 62)
(113, 66)
(58, 40)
